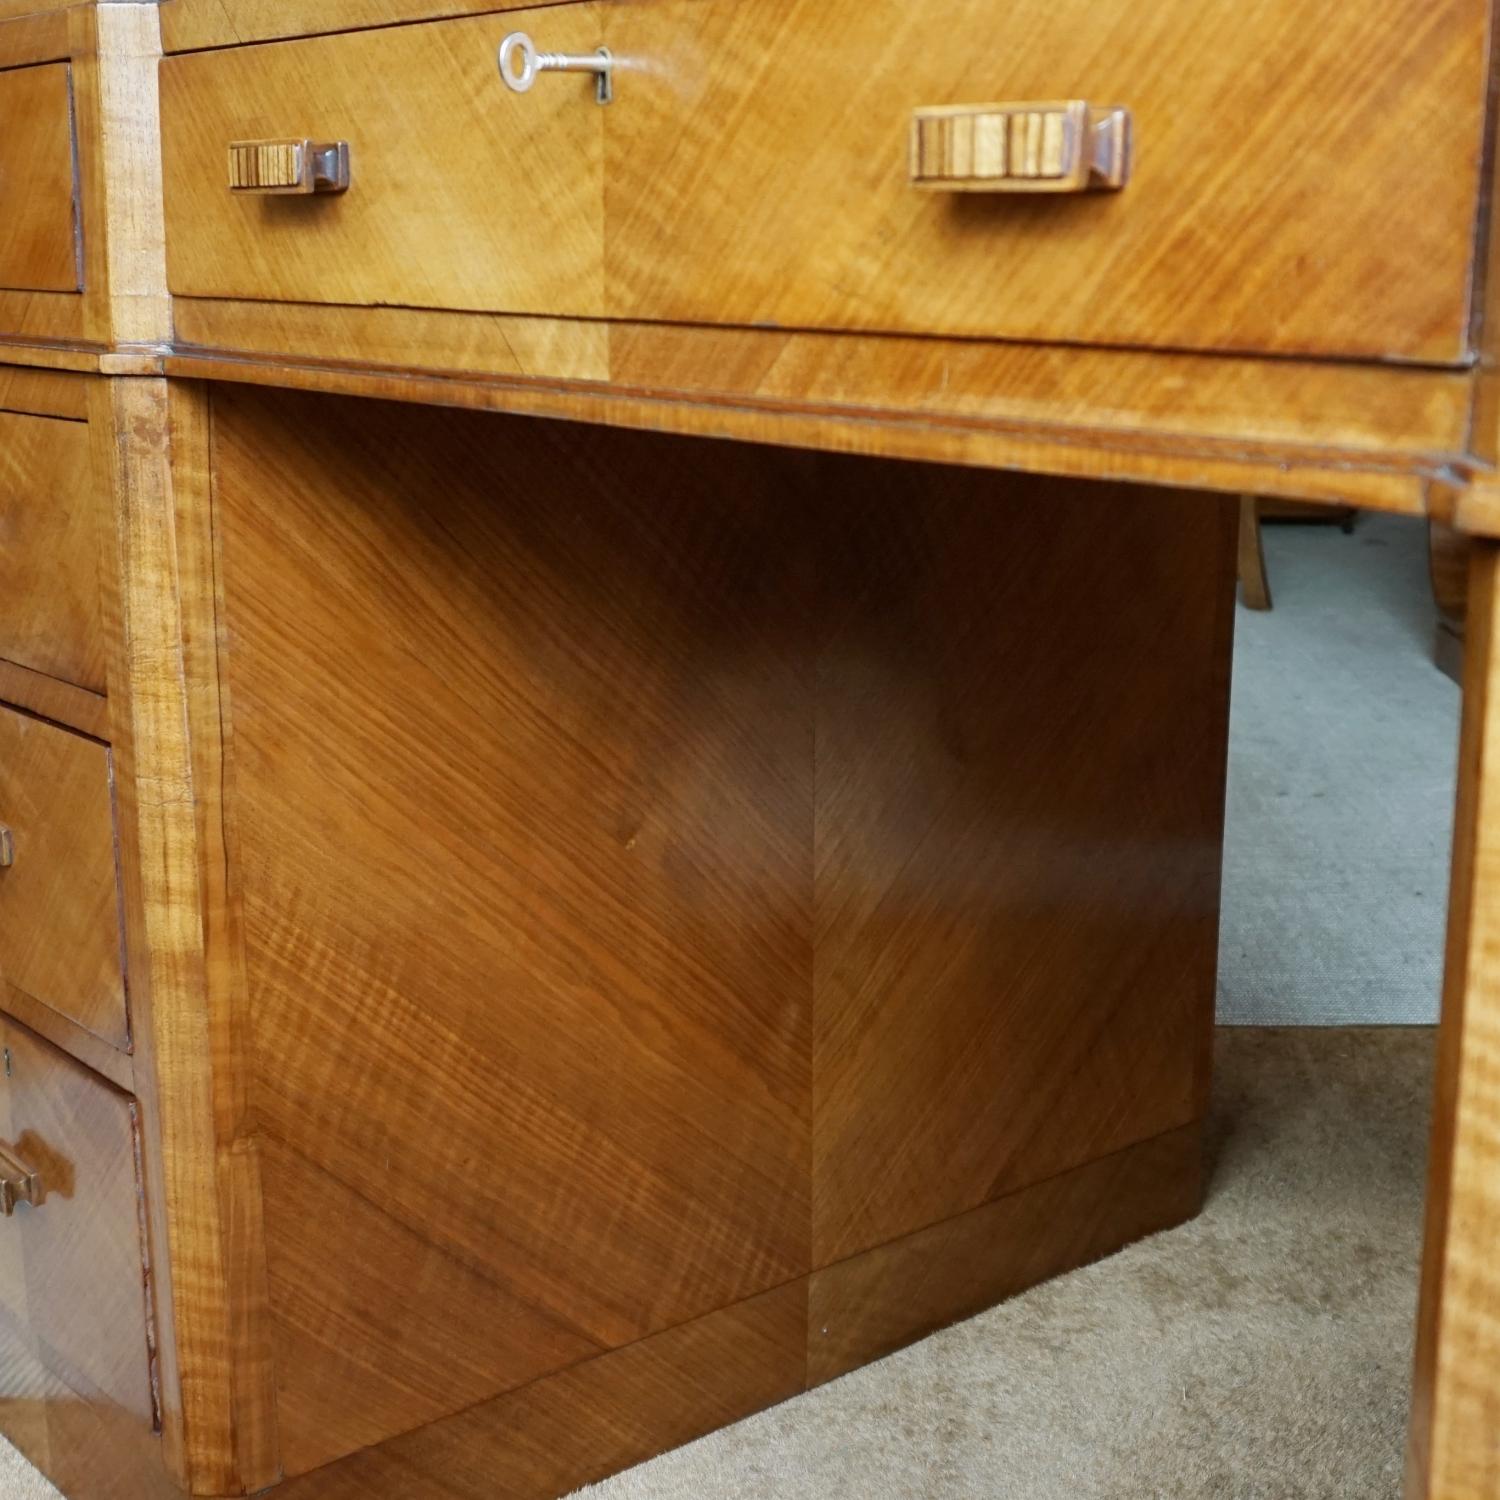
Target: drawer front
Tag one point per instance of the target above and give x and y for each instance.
(39, 247)
(757, 170)
(72, 1265)
(49, 551)
(458, 199)
(60, 932)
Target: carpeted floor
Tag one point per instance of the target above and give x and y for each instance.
(1343, 759)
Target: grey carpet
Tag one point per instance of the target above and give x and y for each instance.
(1343, 755)
(1259, 1353)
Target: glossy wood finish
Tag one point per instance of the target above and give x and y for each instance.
(594, 1419)
(802, 216)
(200, 1158)
(1378, 436)
(1256, 219)
(49, 698)
(49, 551)
(621, 1407)
(645, 865)
(192, 24)
(116, 51)
(1016, 916)
(1455, 1450)
(60, 900)
(74, 1271)
(39, 227)
(863, 1308)
(42, 392)
(513, 185)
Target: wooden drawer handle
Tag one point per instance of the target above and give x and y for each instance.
(1063, 147)
(7, 848)
(289, 166)
(18, 1183)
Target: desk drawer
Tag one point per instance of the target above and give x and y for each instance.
(60, 934)
(1306, 178)
(39, 250)
(458, 198)
(49, 551)
(72, 1265)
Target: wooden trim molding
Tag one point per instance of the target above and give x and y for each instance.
(1455, 1443)
(202, 1165)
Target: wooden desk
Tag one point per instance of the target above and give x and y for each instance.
(573, 929)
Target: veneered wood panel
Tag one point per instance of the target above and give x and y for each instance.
(568, 771)
(74, 1273)
(49, 551)
(463, 194)
(864, 1308)
(38, 216)
(190, 24)
(521, 757)
(199, 1154)
(1017, 879)
(60, 938)
(756, 171)
(595, 1419)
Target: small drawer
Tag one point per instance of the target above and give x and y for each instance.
(458, 198)
(50, 551)
(60, 926)
(72, 1262)
(39, 237)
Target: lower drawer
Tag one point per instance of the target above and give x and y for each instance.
(60, 928)
(73, 1273)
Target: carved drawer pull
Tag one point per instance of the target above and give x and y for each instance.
(288, 166)
(1063, 147)
(7, 848)
(521, 64)
(18, 1183)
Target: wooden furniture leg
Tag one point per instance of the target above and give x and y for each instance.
(1255, 586)
(1448, 565)
(1455, 1443)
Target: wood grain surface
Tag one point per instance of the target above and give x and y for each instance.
(1376, 436)
(524, 721)
(493, 201)
(1256, 217)
(60, 900)
(1018, 833)
(42, 392)
(1455, 1447)
(39, 225)
(199, 1158)
(1229, 236)
(622, 1407)
(74, 1268)
(49, 551)
(863, 1308)
(116, 48)
(193, 24)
